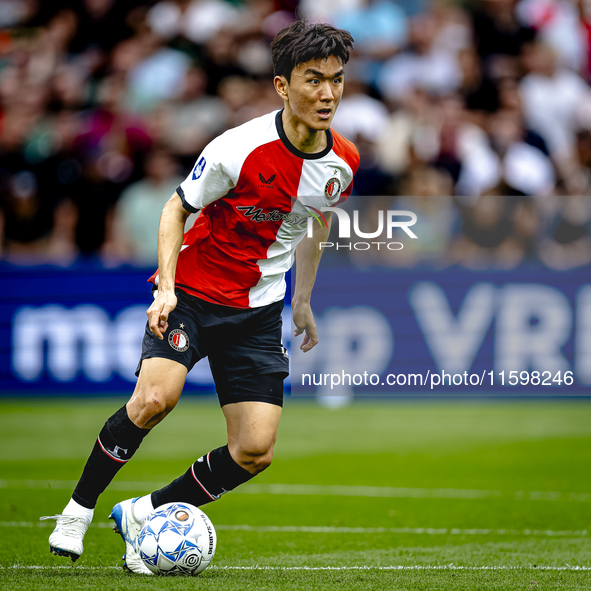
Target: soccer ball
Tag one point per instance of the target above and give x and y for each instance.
(177, 539)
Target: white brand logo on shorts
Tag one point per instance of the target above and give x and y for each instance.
(178, 340)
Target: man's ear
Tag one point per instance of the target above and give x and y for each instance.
(281, 86)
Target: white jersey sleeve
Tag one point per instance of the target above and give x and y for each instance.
(217, 169)
(210, 179)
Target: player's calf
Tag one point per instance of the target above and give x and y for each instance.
(206, 480)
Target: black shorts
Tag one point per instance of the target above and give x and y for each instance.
(242, 345)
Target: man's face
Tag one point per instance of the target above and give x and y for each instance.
(314, 91)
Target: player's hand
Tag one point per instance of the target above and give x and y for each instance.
(162, 306)
(304, 322)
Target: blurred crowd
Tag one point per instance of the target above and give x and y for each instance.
(474, 115)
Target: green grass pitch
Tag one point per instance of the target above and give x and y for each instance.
(422, 496)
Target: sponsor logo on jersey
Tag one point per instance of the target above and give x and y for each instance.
(332, 189)
(178, 340)
(266, 182)
(258, 215)
(198, 170)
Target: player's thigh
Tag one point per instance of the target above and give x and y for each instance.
(250, 363)
(158, 389)
(252, 427)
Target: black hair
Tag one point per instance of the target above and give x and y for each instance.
(301, 42)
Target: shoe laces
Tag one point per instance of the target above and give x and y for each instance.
(70, 525)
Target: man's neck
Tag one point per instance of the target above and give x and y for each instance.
(301, 136)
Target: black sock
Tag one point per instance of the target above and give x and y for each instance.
(118, 440)
(206, 480)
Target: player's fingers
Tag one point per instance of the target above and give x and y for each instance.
(154, 315)
(156, 330)
(308, 346)
(310, 340)
(163, 318)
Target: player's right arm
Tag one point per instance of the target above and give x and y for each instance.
(170, 239)
(213, 175)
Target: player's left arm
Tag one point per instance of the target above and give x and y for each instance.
(308, 253)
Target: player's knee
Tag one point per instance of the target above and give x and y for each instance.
(262, 462)
(157, 406)
(254, 458)
(149, 408)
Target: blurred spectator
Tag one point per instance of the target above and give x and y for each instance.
(487, 235)
(28, 203)
(194, 118)
(426, 193)
(101, 23)
(362, 119)
(426, 65)
(15, 12)
(527, 219)
(568, 243)
(498, 30)
(442, 98)
(578, 182)
(424, 190)
(523, 168)
(135, 224)
(556, 103)
(324, 11)
(112, 145)
(480, 93)
(396, 144)
(158, 75)
(371, 179)
(69, 87)
(359, 113)
(558, 25)
(221, 60)
(197, 20)
(432, 132)
(379, 28)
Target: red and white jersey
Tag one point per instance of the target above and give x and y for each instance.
(256, 192)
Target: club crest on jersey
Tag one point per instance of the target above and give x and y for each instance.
(332, 189)
(178, 340)
(198, 170)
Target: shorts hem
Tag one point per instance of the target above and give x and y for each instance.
(260, 372)
(158, 356)
(267, 399)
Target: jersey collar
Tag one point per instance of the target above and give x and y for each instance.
(293, 149)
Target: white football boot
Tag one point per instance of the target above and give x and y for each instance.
(66, 538)
(129, 527)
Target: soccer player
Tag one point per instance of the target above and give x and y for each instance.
(219, 290)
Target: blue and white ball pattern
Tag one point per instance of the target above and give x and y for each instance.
(177, 539)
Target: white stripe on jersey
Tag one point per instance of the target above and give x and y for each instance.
(311, 191)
